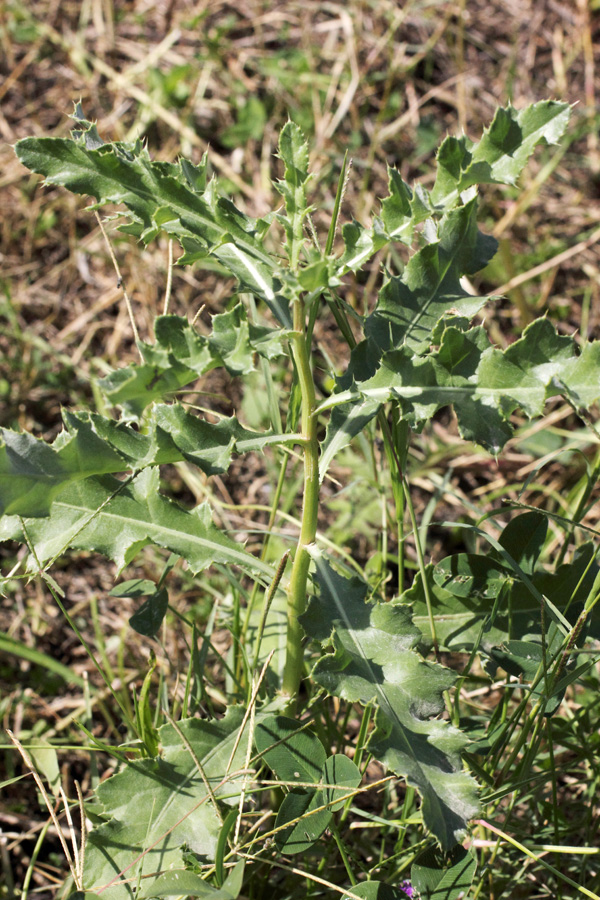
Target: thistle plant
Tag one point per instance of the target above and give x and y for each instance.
(96, 488)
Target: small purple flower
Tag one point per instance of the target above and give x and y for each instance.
(408, 889)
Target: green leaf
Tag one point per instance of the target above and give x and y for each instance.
(498, 157)
(484, 384)
(10, 645)
(501, 154)
(182, 882)
(118, 519)
(297, 756)
(342, 776)
(410, 306)
(463, 619)
(579, 376)
(45, 760)
(293, 753)
(149, 617)
(300, 836)
(345, 423)
(373, 660)
(437, 876)
(375, 890)
(396, 209)
(458, 620)
(471, 575)
(519, 658)
(293, 150)
(134, 587)
(272, 640)
(155, 806)
(159, 196)
(409, 312)
(524, 537)
(208, 445)
(33, 473)
(180, 355)
(360, 244)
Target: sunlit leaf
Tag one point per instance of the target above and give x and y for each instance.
(409, 306)
(155, 806)
(117, 520)
(374, 660)
(502, 153)
(159, 196)
(33, 473)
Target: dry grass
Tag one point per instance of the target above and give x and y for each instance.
(386, 80)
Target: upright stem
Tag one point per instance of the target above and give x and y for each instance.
(294, 659)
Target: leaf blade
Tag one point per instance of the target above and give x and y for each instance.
(374, 660)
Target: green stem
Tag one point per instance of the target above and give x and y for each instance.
(337, 838)
(294, 660)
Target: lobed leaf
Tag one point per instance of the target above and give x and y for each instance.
(360, 244)
(373, 659)
(180, 355)
(499, 157)
(410, 306)
(118, 519)
(484, 384)
(293, 150)
(160, 197)
(154, 807)
(33, 473)
(501, 154)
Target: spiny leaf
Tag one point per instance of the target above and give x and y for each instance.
(117, 519)
(401, 211)
(484, 384)
(403, 208)
(373, 660)
(498, 157)
(396, 209)
(33, 473)
(501, 154)
(159, 196)
(155, 806)
(410, 306)
(293, 150)
(360, 244)
(180, 355)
